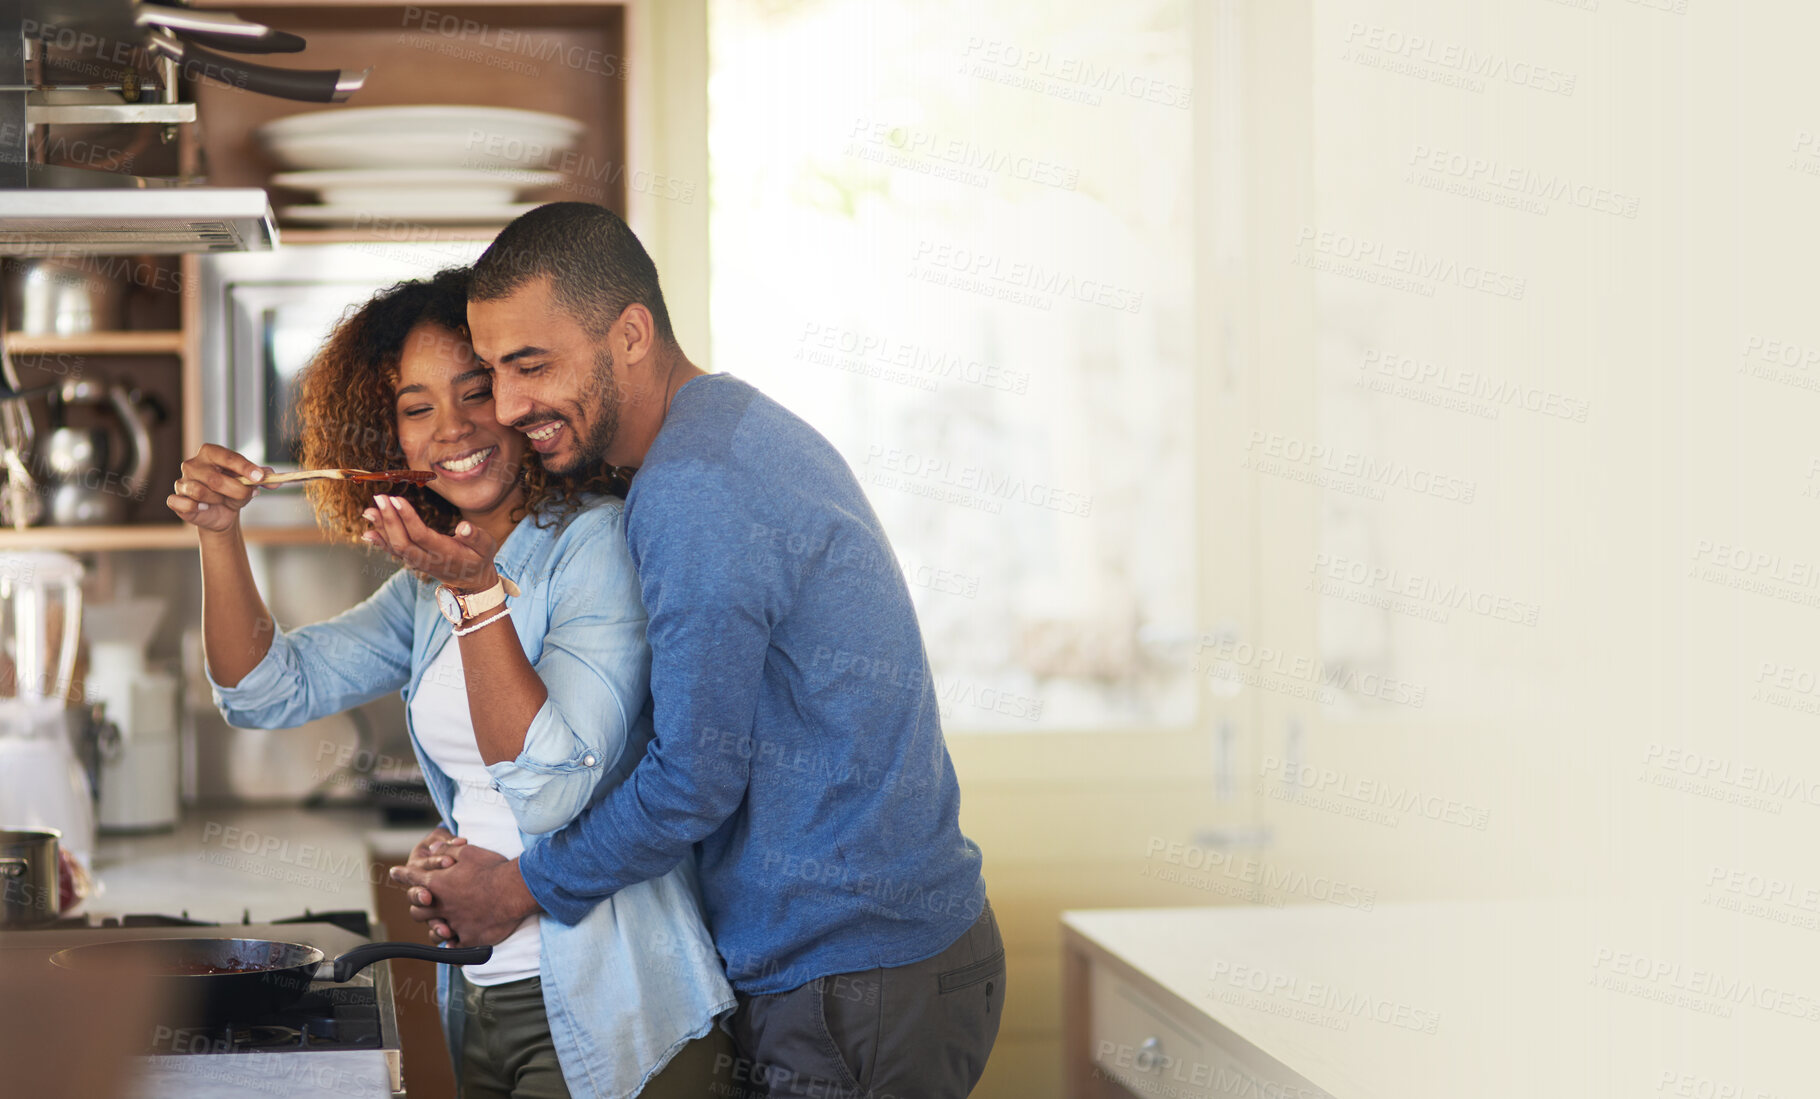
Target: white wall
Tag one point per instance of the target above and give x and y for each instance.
(1649, 493)
(667, 146)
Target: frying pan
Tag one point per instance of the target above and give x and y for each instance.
(222, 980)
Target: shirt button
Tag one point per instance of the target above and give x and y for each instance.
(587, 760)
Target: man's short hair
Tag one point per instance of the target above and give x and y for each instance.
(595, 264)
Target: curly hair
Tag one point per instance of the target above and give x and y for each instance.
(346, 413)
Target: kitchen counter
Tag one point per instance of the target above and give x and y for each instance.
(395, 843)
(356, 1074)
(1444, 1000)
(220, 863)
(135, 1046)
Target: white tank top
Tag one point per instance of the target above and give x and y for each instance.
(439, 716)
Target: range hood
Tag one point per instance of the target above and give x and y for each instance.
(60, 212)
(56, 210)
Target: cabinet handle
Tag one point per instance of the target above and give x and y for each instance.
(1149, 1055)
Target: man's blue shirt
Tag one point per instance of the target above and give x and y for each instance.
(797, 736)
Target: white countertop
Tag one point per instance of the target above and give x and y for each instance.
(353, 1074)
(1489, 1000)
(219, 863)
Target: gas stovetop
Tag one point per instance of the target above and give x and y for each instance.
(357, 1015)
(329, 1016)
(353, 921)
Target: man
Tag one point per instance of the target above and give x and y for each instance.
(798, 748)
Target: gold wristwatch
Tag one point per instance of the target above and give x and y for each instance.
(457, 607)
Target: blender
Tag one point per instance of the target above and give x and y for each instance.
(41, 783)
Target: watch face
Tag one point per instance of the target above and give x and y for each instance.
(448, 605)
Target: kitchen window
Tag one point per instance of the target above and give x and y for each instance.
(957, 240)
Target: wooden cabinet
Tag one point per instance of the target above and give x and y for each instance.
(565, 58)
(428, 1069)
(147, 361)
(569, 58)
(161, 364)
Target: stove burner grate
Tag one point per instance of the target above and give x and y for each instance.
(326, 1018)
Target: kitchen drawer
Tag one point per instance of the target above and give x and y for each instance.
(1152, 1053)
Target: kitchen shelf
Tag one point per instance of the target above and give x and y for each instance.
(96, 343)
(413, 234)
(288, 536)
(141, 537)
(304, 5)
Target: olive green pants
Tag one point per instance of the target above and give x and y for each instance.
(507, 1052)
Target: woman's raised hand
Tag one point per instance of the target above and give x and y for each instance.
(209, 494)
(463, 561)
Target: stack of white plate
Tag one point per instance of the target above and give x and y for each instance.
(432, 164)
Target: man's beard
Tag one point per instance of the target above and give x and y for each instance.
(603, 394)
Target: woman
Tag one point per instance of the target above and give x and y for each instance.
(525, 700)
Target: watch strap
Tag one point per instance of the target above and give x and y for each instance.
(477, 603)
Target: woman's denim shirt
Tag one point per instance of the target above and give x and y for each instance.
(638, 977)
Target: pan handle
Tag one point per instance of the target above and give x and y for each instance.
(307, 85)
(360, 957)
(218, 30)
(278, 42)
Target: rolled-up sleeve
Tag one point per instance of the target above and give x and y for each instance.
(327, 667)
(595, 666)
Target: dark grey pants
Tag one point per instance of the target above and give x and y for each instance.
(919, 1031)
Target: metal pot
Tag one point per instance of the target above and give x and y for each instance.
(63, 297)
(28, 876)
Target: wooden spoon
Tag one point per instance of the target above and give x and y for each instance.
(394, 476)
